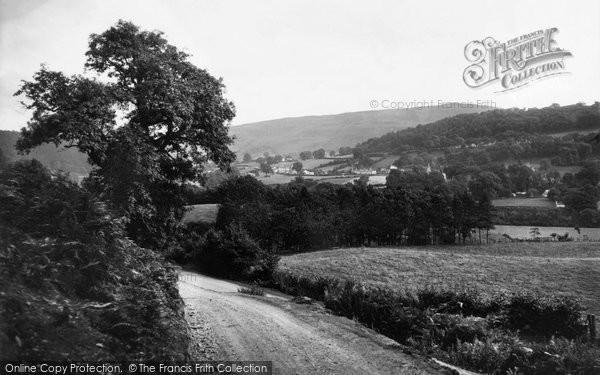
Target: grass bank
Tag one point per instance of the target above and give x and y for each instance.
(567, 269)
(430, 299)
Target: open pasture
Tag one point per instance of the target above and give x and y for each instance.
(550, 268)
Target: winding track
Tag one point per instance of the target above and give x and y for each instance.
(299, 339)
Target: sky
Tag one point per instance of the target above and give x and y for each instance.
(297, 58)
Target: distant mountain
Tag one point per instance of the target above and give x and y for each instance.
(68, 160)
(281, 136)
(296, 134)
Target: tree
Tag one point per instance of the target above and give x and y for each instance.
(331, 153)
(233, 253)
(579, 199)
(297, 166)
(520, 176)
(485, 184)
(247, 157)
(363, 180)
(3, 160)
(319, 154)
(589, 174)
(589, 218)
(175, 120)
(266, 168)
(345, 151)
(305, 155)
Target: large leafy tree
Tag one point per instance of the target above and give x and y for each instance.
(148, 122)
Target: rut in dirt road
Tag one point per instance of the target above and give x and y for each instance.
(298, 339)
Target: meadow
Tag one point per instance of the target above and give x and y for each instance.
(524, 232)
(524, 202)
(569, 269)
(281, 179)
(201, 213)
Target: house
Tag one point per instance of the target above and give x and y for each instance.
(559, 204)
(367, 171)
(545, 193)
(283, 170)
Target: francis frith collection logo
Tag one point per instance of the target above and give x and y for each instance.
(515, 63)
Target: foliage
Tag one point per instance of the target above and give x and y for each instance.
(508, 132)
(319, 154)
(265, 168)
(305, 155)
(464, 328)
(73, 286)
(231, 253)
(252, 290)
(302, 216)
(174, 115)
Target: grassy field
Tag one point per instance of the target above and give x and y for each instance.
(524, 232)
(284, 179)
(385, 162)
(201, 213)
(524, 202)
(553, 268)
(306, 164)
(274, 179)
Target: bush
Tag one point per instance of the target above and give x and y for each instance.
(252, 290)
(544, 316)
(74, 287)
(232, 253)
(464, 327)
(303, 286)
(559, 356)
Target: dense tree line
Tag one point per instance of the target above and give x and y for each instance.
(570, 149)
(304, 215)
(486, 127)
(579, 192)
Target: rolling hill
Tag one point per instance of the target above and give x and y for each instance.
(296, 134)
(58, 158)
(518, 126)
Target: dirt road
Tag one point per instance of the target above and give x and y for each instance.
(299, 339)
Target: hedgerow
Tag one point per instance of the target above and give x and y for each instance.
(73, 286)
(522, 332)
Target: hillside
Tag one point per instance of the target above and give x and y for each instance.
(292, 135)
(500, 125)
(58, 158)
